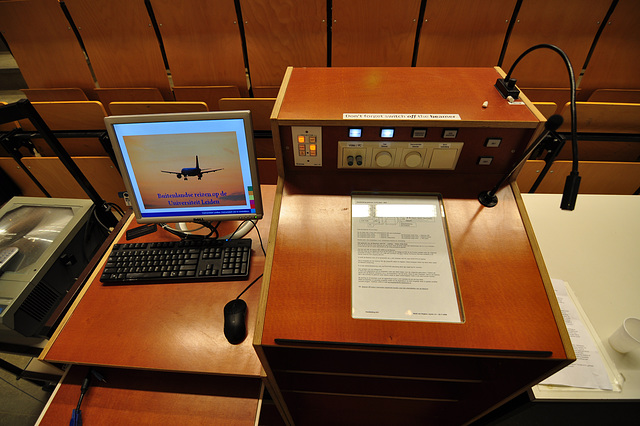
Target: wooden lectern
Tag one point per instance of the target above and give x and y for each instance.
(452, 134)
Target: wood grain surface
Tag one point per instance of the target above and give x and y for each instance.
(151, 397)
(505, 304)
(169, 327)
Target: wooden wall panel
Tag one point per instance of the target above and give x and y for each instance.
(569, 24)
(281, 34)
(616, 58)
(373, 33)
(121, 43)
(44, 45)
(202, 42)
(472, 31)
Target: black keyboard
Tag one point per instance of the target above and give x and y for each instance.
(172, 261)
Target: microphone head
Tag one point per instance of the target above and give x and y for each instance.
(553, 122)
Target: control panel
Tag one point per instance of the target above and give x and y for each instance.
(382, 129)
(307, 149)
(398, 155)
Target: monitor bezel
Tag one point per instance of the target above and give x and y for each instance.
(244, 115)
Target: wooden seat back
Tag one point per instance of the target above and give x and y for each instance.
(210, 95)
(598, 177)
(627, 96)
(603, 117)
(70, 115)
(47, 52)
(202, 43)
(260, 116)
(59, 183)
(132, 108)
(565, 28)
(546, 108)
(284, 33)
(472, 31)
(121, 43)
(615, 61)
(55, 94)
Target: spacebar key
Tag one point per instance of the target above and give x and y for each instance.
(142, 275)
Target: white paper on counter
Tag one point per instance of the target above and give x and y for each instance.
(588, 370)
(401, 267)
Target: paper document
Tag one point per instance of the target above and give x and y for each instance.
(588, 370)
(401, 267)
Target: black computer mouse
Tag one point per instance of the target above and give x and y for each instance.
(235, 321)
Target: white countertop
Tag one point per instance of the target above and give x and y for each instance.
(596, 249)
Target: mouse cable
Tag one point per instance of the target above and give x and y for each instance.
(249, 286)
(255, 226)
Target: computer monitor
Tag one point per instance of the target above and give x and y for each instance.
(188, 167)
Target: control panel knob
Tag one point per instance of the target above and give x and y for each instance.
(383, 159)
(413, 159)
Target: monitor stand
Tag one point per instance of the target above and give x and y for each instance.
(240, 232)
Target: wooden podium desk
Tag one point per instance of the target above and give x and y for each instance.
(323, 363)
(333, 129)
(163, 346)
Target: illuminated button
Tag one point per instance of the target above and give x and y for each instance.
(301, 139)
(312, 150)
(387, 133)
(312, 139)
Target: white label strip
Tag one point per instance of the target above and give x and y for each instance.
(370, 116)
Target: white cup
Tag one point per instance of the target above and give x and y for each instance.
(627, 337)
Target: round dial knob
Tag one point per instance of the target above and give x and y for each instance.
(383, 159)
(413, 159)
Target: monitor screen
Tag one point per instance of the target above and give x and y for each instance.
(189, 166)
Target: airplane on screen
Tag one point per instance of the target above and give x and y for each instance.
(191, 171)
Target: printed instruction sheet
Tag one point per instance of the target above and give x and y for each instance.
(589, 370)
(401, 266)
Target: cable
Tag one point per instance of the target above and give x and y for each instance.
(242, 230)
(213, 229)
(249, 286)
(255, 225)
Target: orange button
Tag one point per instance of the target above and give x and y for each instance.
(312, 150)
(312, 139)
(301, 139)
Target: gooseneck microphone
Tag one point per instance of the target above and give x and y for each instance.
(507, 87)
(489, 198)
